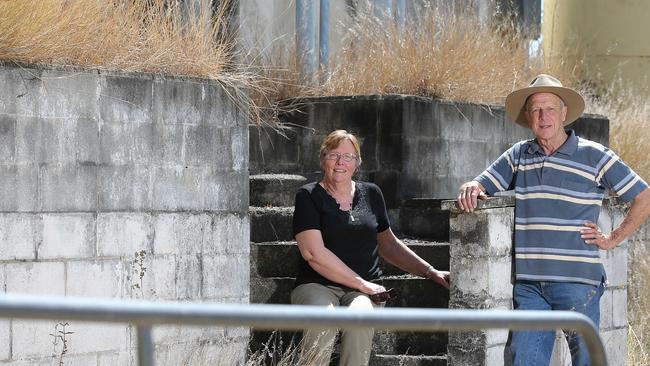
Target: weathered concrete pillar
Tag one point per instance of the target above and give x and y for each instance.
(482, 276)
(480, 250)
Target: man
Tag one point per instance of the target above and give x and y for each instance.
(560, 181)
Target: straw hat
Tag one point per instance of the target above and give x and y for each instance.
(515, 101)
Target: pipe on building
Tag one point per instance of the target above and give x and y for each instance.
(306, 40)
(324, 40)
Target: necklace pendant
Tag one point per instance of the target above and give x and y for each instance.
(351, 217)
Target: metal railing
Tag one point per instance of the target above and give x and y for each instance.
(144, 315)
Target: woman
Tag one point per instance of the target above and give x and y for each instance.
(341, 227)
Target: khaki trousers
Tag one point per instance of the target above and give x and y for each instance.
(316, 345)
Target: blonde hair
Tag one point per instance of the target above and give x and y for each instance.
(334, 139)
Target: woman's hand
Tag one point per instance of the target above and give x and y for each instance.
(370, 288)
(439, 277)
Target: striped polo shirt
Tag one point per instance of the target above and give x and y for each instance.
(554, 196)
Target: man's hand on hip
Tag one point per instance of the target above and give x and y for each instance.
(592, 234)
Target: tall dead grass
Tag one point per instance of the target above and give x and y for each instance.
(153, 36)
(149, 36)
(452, 57)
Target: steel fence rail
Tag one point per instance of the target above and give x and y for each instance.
(145, 314)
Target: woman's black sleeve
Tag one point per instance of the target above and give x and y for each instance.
(379, 208)
(305, 213)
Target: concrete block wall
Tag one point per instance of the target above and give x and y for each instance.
(481, 262)
(411, 146)
(128, 186)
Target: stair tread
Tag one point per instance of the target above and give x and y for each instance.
(408, 242)
(280, 176)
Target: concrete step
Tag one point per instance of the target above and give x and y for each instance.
(274, 259)
(271, 223)
(407, 360)
(436, 253)
(274, 189)
(413, 291)
(282, 348)
(423, 218)
(282, 258)
(410, 343)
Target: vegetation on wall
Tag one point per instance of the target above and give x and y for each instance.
(455, 58)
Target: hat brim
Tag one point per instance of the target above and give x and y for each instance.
(515, 103)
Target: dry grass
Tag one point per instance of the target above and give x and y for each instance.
(456, 58)
(150, 36)
(127, 35)
(639, 313)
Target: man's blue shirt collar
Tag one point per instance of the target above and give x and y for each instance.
(568, 147)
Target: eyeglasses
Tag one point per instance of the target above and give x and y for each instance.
(348, 158)
(535, 111)
(382, 297)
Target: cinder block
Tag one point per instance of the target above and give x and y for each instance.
(500, 278)
(26, 97)
(605, 219)
(484, 233)
(126, 358)
(98, 337)
(95, 278)
(168, 144)
(224, 276)
(181, 101)
(67, 236)
(615, 342)
(181, 233)
(199, 188)
(33, 338)
(126, 98)
(561, 355)
(68, 188)
(606, 310)
(619, 307)
(73, 359)
(470, 276)
(125, 188)
(159, 279)
(496, 338)
(615, 263)
(39, 278)
(195, 353)
(496, 355)
(19, 188)
(182, 188)
(126, 143)
(28, 139)
(7, 137)
(237, 332)
(239, 148)
(205, 145)
(123, 234)
(68, 95)
(13, 88)
(19, 235)
(5, 339)
(230, 234)
(188, 277)
(194, 335)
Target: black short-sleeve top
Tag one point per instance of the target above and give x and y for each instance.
(350, 235)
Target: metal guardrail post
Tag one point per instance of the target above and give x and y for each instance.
(294, 317)
(145, 346)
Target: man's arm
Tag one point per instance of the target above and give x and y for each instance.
(636, 216)
(468, 195)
